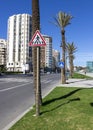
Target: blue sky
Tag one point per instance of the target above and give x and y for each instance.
(80, 31)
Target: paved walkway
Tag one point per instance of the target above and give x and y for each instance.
(83, 83)
(88, 74)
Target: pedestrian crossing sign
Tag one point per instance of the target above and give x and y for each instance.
(37, 39)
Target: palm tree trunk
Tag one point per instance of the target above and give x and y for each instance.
(36, 26)
(63, 80)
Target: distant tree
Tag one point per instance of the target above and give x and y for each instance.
(62, 20)
(3, 68)
(71, 49)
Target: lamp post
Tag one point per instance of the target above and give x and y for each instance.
(70, 66)
(66, 68)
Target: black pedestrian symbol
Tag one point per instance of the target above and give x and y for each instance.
(37, 40)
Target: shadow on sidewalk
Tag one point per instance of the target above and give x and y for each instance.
(76, 81)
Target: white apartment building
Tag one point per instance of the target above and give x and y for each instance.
(18, 37)
(3, 44)
(48, 51)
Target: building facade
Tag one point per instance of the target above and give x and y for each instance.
(56, 57)
(89, 66)
(48, 51)
(3, 44)
(18, 37)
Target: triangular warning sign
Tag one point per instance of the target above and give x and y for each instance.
(37, 40)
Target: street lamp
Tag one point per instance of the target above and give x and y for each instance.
(66, 68)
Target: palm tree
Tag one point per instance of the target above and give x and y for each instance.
(71, 48)
(62, 20)
(36, 26)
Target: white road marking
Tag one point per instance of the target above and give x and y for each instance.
(19, 80)
(6, 80)
(47, 81)
(6, 89)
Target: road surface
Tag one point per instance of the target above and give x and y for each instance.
(17, 95)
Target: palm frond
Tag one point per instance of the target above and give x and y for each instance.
(62, 19)
(71, 48)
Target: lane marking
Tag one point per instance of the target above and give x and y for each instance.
(4, 82)
(14, 80)
(6, 89)
(47, 81)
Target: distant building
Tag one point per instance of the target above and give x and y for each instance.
(56, 57)
(43, 58)
(18, 37)
(89, 66)
(46, 52)
(3, 44)
(19, 54)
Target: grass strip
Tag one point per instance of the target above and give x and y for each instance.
(81, 76)
(63, 109)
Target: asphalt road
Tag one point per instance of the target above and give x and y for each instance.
(17, 95)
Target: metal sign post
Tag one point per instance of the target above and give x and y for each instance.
(37, 88)
(61, 65)
(37, 41)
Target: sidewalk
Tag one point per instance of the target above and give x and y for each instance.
(83, 83)
(87, 73)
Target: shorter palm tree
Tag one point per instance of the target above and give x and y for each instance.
(62, 20)
(71, 49)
